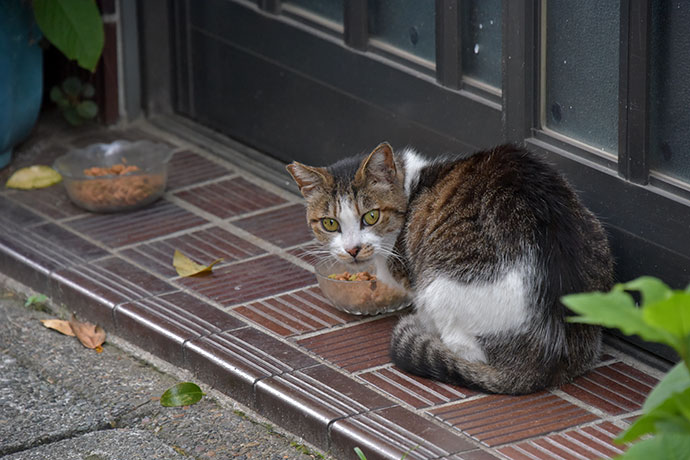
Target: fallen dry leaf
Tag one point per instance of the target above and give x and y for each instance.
(36, 176)
(187, 267)
(90, 335)
(59, 325)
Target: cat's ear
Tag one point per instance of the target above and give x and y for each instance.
(379, 165)
(308, 178)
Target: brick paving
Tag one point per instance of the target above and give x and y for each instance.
(259, 328)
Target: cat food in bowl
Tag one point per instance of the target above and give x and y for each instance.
(359, 293)
(120, 176)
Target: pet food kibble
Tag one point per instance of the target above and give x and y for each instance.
(123, 190)
(347, 276)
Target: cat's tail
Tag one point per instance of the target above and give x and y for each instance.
(419, 352)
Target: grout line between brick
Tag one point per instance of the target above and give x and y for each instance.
(373, 369)
(579, 428)
(557, 457)
(639, 365)
(212, 218)
(631, 377)
(577, 442)
(523, 452)
(581, 404)
(217, 158)
(272, 296)
(250, 214)
(338, 327)
(183, 232)
(600, 386)
(619, 420)
(214, 180)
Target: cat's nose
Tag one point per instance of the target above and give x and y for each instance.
(354, 251)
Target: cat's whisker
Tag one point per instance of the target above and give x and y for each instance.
(392, 253)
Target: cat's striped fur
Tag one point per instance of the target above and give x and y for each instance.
(486, 243)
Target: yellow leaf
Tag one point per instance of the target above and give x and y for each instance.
(37, 176)
(59, 325)
(187, 267)
(90, 335)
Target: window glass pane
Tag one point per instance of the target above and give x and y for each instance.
(329, 9)
(406, 24)
(670, 89)
(481, 40)
(582, 40)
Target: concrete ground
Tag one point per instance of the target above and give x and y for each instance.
(60, 400)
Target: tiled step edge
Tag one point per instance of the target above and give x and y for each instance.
(325, 407)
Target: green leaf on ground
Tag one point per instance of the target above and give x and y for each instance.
(35, 299)
(74, 27)
(37, 176)
(182, 394)
(360, 454)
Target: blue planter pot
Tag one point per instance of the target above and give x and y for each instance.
(21, 74)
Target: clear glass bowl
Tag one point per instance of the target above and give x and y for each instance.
(113, 192)
(359, 297)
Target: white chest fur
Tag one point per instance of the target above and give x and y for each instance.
(384, 274)
(459, 312)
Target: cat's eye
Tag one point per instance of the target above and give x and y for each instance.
(329, 224)
(371, 217)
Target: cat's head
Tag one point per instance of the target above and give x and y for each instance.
(356, 206)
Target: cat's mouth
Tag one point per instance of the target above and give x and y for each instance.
(354, 261)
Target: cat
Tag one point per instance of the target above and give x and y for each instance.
(485, 243)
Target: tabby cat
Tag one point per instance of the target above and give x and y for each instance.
(486, 244)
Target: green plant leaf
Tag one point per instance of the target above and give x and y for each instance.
(360, 454)
(74, 27)
(677, 380)
(56, 94)
(182, 394)
(673, 424)
(614, 309)
(63, 103)
(87, 109)
(72, 86)
(35, 299)
(652, 289)
(673, 315)
(669, 412)
(88, 91)
(72, 117)
(645, 424)
(683, 406)
(663, 446)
